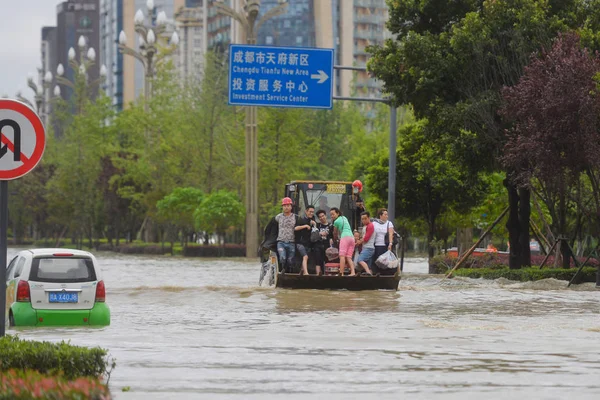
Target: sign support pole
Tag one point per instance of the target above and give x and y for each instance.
(391, 206)
(392, 164)
(21, 149)
(3, 246)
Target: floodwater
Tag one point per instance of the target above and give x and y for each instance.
(195, 328)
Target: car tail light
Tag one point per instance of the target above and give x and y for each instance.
(63, 254)
(100, 292)
(23, 293)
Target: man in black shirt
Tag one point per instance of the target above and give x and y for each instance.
(326, 232)
(302, 235)
(360, 208)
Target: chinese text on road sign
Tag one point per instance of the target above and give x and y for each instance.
(280, 76)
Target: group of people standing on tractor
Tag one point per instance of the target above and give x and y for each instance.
(311, 238)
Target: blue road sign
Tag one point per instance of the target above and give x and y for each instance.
(280, 76)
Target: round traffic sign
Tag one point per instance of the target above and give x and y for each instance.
(22, 139)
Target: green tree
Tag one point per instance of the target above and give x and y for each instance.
(218, 212)
(177, 209)
(430, 180)
(451, 67)
(75, 157)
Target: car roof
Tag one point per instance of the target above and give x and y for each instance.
(52, 251)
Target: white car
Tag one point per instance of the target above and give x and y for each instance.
(55, 287)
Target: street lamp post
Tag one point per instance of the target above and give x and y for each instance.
(82, 65)
(251, 23)
(39, 94)
(148, 53)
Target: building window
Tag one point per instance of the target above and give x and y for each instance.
(269, 40)
(299, 39)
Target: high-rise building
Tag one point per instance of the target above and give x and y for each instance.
(111, 24)
(294, 28)
(189, 55)
(358, 24)
(49, 63)
(75, 18)
(126, 80)
(347, 26)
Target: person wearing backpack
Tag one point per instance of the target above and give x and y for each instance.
(302, 233)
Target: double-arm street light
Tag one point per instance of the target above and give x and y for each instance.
(250, 22)
(148, 53)
(81, 67)
(39, 94)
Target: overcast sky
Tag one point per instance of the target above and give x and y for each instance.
(20, 35)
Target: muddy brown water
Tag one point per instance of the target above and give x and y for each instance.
(195, 328)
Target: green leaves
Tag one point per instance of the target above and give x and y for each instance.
(218, 212)
(179, 206)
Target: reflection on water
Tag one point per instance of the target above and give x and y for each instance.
(287, 301)
(188, 328)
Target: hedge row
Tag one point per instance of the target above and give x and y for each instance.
(26, 385)
(443, 263)
(227, 250)
(588, 274)
(153, 249)
(53, 358)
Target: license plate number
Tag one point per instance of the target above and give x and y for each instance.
(63, 297)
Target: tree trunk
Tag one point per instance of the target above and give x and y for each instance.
(464, 240)
(430, 236)
(513, 226)
(524, 215)
(564, 250)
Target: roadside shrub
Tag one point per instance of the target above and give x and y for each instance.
(226, 250)
(145, 249)
(53, 358)
(25, 385)
(442, 264)
(588, 274)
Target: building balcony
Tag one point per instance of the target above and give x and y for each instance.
(368, 34)
(370, 4)
(360, 51)
(369, 19)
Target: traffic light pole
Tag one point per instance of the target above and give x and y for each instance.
(393, 141)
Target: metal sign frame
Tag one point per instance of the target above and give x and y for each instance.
(28, 163)
(287, 77)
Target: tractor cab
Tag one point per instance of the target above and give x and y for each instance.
(323, 195)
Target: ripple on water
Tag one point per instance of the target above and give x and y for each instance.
(189, 328)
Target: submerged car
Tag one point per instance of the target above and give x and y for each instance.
(55, 287)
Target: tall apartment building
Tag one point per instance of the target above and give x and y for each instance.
(126, 74)
(360, 23)
(111, 24)
(347, 26)
(49, 63)
(189, 55)
(75, 18)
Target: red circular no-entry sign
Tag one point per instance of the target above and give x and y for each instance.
(22, 139)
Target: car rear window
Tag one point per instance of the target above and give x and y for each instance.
(62, 269)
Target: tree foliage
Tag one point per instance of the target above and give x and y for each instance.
(218, 212)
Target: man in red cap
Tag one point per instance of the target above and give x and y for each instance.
(286, 247)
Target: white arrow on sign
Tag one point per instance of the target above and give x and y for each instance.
(321, 76)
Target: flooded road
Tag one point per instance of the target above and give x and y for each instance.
(194, 328)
